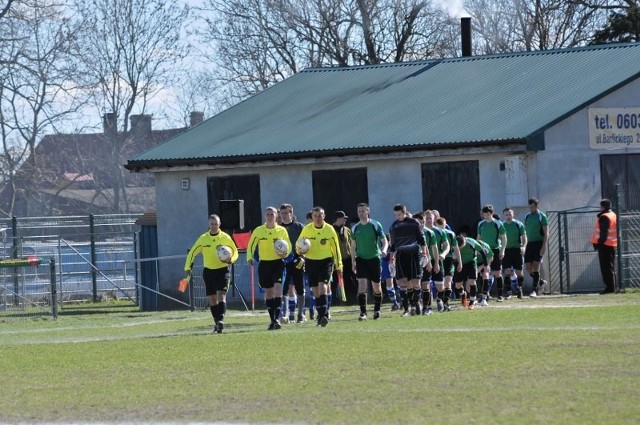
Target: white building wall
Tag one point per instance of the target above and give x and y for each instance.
(182, 214)
(567, 172)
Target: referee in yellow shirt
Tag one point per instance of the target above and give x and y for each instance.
(215, 273)
(320, 260)
(271, 265)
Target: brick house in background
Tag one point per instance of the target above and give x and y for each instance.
(75, 174)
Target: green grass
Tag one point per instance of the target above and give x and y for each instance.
(550, 360)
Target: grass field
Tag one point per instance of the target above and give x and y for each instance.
(550, 360)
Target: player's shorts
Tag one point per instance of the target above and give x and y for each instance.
(295, 276)
(216, 280)
(408, 265)
(368, 269)
(496, 263)
(532, 252)
(512, 259)
(318, 271)
(436, 277)
(448, 266)
(270, 273)
(469, 272)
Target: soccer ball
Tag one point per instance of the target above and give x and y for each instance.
(303, 245)
(281, 247)
(224, 253)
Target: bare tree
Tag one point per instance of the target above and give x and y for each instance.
(260, 42)
(130, 49)
(35, 90)
(526, 25)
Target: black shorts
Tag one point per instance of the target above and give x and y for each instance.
(496, 263)
(318, 271)
(469, 272)
(408, 265)
(270, 273)
(295, 276)
(532, 252)
(368, 269)
(436, 277)
(216, 280)
(512, 259)
(448, 266)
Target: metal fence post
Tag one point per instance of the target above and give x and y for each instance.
(54, 292)
(567, 264)
(14, 254)
(136, 279)
(618, 210)
(92, 239)
(561, 252)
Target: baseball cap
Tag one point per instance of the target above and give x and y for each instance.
(339, 214)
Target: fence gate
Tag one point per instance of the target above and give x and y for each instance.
(579, 270)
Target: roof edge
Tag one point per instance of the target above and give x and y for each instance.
(140, 165)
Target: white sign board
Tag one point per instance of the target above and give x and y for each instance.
(614, 128)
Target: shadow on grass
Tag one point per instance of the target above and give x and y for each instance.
(100, 308)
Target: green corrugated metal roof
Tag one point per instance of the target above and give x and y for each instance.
(449, 102)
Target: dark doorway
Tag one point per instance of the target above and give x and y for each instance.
(340, 190)
(246, 187)
(623, 170)
(453, 188)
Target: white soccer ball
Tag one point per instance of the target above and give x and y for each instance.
(303, 245)
(224, 253)
(281, 247)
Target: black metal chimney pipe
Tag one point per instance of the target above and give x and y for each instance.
(465, 29)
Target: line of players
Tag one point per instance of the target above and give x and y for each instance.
(418, 249)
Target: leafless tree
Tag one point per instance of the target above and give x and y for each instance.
(259, 42)
(131, 48)
(526, 25)
(36, 93)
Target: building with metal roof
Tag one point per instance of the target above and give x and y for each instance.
(450, 134)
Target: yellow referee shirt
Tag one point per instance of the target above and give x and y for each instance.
(263, 238)
(324, 243)
(207, 244)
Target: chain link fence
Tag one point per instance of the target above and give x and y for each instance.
(90, 253)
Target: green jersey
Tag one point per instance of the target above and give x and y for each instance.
(440, 237)
(368, 238)
(469, 251)
(534, 224)
(430, 237)
(453, 242)
(491, 232)
(515, 231)
(487, 251)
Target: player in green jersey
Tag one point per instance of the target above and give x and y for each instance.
(370, 244)
(516, 242)
(432, 267)
(492, 232)
(536, 226)
(469, 248)
(443, 248)
(450, 264)
(484, 271)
